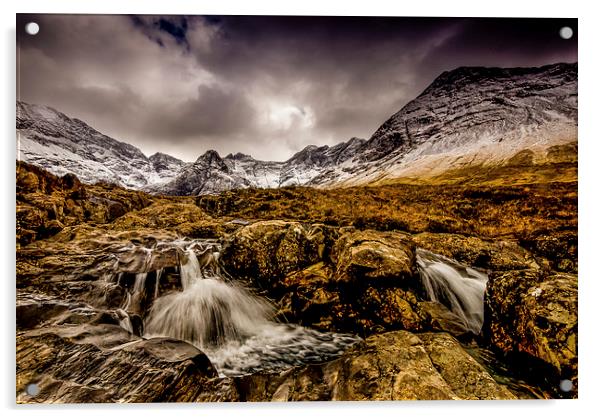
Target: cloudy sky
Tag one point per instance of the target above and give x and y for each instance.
(265, 86)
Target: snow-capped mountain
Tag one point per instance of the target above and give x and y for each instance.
(165, 165)
(211, 173)
(61, 145)
(468, 116)
(471, 116)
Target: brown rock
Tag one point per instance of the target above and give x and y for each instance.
(51, 228)
(558, 247)
(80, 364)
(391, 366)
(268, 250)
(438, 317)
(374, 256)
(534, 313)
(475, 252)
(314, 298)
(466, 377)
(27, 182)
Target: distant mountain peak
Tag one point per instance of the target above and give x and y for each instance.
(165, 163)
(469, 115)
(209, 156)
(239, 156)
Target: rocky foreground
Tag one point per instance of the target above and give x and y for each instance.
(80, 249)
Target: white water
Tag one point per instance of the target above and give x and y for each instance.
(208, 312)
(190, 269)
(124, 321)
(133, 296)
(460, 288)
(232, 326)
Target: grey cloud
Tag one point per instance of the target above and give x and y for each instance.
(266, 86)
(215, 111)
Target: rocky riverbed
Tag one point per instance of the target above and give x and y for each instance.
(128, 297)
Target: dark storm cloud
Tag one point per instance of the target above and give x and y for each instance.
(261, 85)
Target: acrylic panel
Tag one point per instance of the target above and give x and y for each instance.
(295, 208)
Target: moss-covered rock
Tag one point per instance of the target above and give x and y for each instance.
(372, 256)
(266, 251)
(535, 313)
(476, 252)
(390, 366)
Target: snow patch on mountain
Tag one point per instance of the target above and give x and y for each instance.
(468, 116)
(61, 145)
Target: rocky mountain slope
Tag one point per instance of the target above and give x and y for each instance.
(60, 144)
(211, 173)
(469, 117)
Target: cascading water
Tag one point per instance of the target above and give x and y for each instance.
(158, 282)
(232, 326)
(458, 287)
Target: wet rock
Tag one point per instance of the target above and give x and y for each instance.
(535, 313)
(268, 250)
(364, 282)
(475, 252)
(51, 228)
(374, 256)
(388, 308)
(96, 252)
(313, 297)
(392, 366)
(559, 248)
(466, 377)
(81, 366)
(309, 297)
(33, 313)
(438, 317)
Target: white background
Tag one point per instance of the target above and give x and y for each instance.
(590, 94)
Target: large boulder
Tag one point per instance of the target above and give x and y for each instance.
(345, 279)
(106, 364)
(268, 250)
(313, 297)
(374, 256)
(392, 366)
(558, 247)
(535, 313)
(476, 252)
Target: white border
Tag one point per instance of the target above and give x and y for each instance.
(590, 138)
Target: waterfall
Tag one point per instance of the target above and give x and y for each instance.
(133, 297)
(190, 269)
(125, 321)
(158, 275)
(234, 327)
(459, 288)
(208, 313)
(139, 283)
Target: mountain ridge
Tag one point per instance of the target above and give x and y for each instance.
(467, 116)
